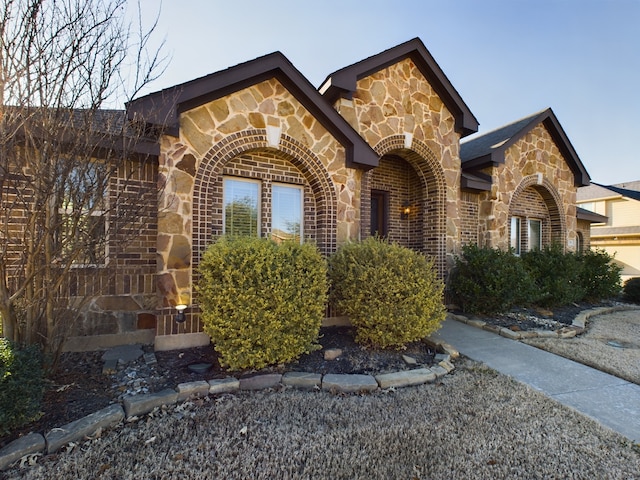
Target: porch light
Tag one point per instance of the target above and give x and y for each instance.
(180, 316)
(406, 210)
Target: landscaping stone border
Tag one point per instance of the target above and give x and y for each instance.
(577, 327)
(136, 405)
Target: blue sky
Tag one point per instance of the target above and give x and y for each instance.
(507, 58)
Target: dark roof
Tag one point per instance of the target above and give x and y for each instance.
(163, 108)
(101, 129)
(625, 192)
(584, 214)
(342, 83)
(489, 149)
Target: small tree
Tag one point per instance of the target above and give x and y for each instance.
(65, 162)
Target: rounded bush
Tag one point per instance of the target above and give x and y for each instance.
(557, 274)
(262, 303)
(489, 280)
(390, 293)
(600, 276)
(21, 385)
(631, 290)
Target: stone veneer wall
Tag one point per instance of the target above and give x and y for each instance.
(534, 161)
(263, 120)
(397, 112)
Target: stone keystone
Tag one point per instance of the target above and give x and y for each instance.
(405, 378)
(85, 427)
(349, 383)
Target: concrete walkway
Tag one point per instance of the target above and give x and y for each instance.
(609, 400)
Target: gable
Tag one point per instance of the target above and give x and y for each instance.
(162, 110)
(490, 149)
(344, 82)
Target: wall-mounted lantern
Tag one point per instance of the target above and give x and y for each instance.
(406, 210)
(180, 316)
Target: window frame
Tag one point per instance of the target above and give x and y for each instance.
(292, 186)
(531, 221)
(231, 178)
(517, 230)
(98, 209)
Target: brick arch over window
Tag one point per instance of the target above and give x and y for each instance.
(552, 201)
(432, 209)
(207, 194)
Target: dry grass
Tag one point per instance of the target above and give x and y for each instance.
(474, 424)
(591, 348)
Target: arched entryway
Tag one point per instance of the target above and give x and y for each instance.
(403, 199)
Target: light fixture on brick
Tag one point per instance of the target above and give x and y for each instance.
(406, 210)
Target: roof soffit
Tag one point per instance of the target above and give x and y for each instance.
(163, 108)
(343, 82)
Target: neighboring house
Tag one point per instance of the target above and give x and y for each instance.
(618, 229)
(256, 149)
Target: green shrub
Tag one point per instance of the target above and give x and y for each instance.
(390, 293)
(489, 280)
(21, 385)
(631, 290)
(556, 274)
(262, 303)
(600, 276)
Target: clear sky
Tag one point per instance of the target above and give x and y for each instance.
(507, 58)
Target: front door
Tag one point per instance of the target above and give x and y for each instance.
(379, 201)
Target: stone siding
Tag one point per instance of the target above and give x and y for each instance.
(259, 132)
(532, 163)
(400, 115)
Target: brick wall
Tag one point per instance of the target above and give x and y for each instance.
(469, 218)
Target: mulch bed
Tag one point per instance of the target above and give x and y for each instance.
(78, 387)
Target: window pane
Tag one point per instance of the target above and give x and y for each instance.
(515, 235)
(535, 234)
(286, 213)
(241, 200)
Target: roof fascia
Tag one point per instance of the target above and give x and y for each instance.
(343, 82)
(163, 108)
(592, 217)
(580, 175)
